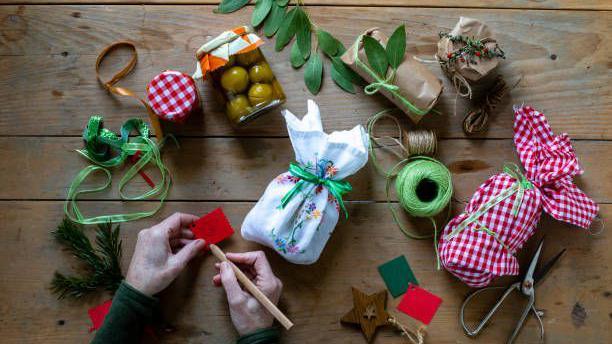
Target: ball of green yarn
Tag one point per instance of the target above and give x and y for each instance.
(424, 187)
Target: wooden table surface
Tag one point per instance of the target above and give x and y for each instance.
(48, 91)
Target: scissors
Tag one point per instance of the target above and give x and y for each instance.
(526, 286)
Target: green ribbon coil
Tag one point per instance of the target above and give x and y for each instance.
(337, 188)
(413, 173)
(100, 144)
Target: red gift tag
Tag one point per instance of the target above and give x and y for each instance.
(212, 227)
(98, 313)
(419, 304)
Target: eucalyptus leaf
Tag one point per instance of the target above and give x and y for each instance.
(377, 57)
(341, 80)
(297, 60)
(261, 11)
(282, 3)
(229, 6)
(313, 74)
(341, 48)
(327, 42)
(345, 71)
(275, 18)
(286, 31)
(396, 47)
(303, 33)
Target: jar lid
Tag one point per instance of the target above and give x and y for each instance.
(216, 52)
(172, 95)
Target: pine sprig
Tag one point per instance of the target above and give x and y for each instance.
(286, 24)
(102, 264)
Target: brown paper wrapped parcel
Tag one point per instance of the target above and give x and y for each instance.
(419, 88)
(472, 72)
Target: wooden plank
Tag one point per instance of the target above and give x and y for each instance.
(516, 4)
(315, 296)
(240, 168)
(48, 59)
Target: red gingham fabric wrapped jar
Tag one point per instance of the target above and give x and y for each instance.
(173, 96)
(479, 244)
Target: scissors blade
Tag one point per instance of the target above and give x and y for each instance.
(534, 262)
(540, 273)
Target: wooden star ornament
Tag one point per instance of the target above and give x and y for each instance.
(369, 312)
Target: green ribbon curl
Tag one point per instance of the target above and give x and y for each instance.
(518, 188)
(383, 83)
(337, 188)
(100, 143)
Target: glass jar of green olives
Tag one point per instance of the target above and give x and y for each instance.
(243, 78)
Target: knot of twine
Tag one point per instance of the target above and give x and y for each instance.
(417, 337)
(386, 83)
(423, 184)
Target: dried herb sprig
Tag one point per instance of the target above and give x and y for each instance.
(277, 19)
(102, 262)
(472, 49)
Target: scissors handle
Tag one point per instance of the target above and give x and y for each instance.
(473, 332)
(530, 307)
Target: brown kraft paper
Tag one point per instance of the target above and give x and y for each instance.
(416, 83)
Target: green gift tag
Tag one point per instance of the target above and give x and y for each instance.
(397, 275)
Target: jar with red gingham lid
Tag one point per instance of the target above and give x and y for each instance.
(173, 96)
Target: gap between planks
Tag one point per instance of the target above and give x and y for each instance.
(606, 6)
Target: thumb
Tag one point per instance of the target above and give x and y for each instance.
(230, 284)
(188, 252)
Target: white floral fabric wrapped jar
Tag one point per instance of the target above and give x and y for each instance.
(300, 208)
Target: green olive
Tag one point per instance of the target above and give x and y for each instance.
(237, 107)
(260, 94)
(261, 72)
(235, 79)
(249, 58)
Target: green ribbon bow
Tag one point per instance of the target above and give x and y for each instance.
(337, 188)
(384, 83)
(380, 83)
(100, 143)
(519, 187)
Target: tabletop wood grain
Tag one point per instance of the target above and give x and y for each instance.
(560, 49)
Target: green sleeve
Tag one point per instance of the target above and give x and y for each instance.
(264, 336)
(131, 310)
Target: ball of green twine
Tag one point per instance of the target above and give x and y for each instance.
(424, 187)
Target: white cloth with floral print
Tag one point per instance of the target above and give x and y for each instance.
(300, 230)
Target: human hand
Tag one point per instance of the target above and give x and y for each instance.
(247, 314)
(162, 252)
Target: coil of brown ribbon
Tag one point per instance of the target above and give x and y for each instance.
(122, 91)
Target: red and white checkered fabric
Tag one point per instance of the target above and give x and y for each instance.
(475, 256)
(172, 96)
